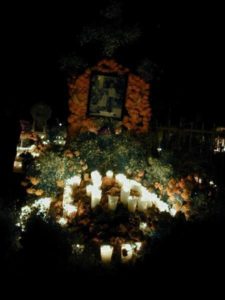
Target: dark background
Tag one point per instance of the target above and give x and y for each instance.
(184, 40)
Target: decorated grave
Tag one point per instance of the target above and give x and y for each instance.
(104, 187)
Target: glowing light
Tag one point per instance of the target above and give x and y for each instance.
(211, 182)
(24, 216)
(89, 189)
(142, 205)
(132, 203)
(126, 252)
(43, 204)
(136, 186)
(154, 198)
(162, 206)
(62, 221)
(143, 226)
(67, 195)
(77, 248)
(124, 194)
(121, 179)
(106, 253)
(109, 174)
(69, 209)
(138, 246)
(96, 195)
(17, 165)
(173, 212)
(112, 201)
(96, 178)
(75, 180)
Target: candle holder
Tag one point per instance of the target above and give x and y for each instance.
(106, 252)
(126, 253)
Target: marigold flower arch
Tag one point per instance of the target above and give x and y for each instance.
(137, 108)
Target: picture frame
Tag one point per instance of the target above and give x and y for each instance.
(107, 95)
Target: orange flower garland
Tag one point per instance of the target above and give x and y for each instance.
(138, 111)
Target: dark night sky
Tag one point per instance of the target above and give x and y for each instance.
(186, 41)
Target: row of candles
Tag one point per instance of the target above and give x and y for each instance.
(141, 203)
(127, 252)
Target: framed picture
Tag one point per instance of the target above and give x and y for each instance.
(107, 95)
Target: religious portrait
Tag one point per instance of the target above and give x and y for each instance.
(107, 95)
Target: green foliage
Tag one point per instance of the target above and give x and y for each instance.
(103, 152)
(157, 171)
(121, 153)
(52, 166)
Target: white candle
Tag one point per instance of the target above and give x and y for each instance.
(124, 194)
(112, 201)
(75, 180)
(89, 189)
(136, 186)
(69, 209)
(173, 212)
(96, 178)
(106, 253)
(109, 174)
(142, 205)
(96, 195)
(126, 252)
(132, 203)
(67, 194)
(121, 178)
(162, 206)
(138, 246)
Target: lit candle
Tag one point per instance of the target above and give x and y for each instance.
(173, 212)
(126, 252)
(96, 195)
(96, 178)
(112, 201)
(75, 180)
(153, 198)
(109, 174)
(120, 179)
(138, 246)
(124, 194)
(62, 221)
(89, 189)
(136, 186)
(162, 206)
(132, 203)
(142, 205)
(69, 210)
(106, 253)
